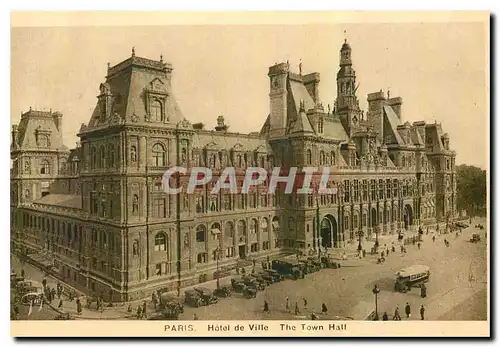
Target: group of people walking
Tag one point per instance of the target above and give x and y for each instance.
(397, 316)
(324, 309)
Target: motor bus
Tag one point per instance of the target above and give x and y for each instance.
(412, 276)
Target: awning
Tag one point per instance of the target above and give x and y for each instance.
(215, 231)
(263, 224)
(276, 224)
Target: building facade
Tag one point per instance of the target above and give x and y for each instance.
(100, 214)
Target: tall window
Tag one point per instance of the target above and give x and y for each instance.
(45, 167)
(161, 242)
(365, 190)
(347, 195)
(309, 157)
(373, 190)
(159, 208)
(396, 191)
(356, 190)
(332, 158)
(102, 157)
(388, 188)
(322, 158)
(380, 189)
(320, 125)
(159, 155)
(201, 232)
(111, 155)
(156, 111)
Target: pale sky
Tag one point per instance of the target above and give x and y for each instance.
(439, 69)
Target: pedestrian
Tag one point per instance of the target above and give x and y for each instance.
(129, 308)
(305, 304)
(44, 282)
(408, 310)
(297, 311)
(254, 262)
(139, 312)
(313, 316)
(60, 303)
(195, 317)
(418, 245)
(423, 291)
(387, 251)
(402, 249)
(22, 273)
(385, 316)
(324, 310)
(144, 309)
(364, 253)
(393, 249)
(153, 299)
(266, 307)
(396, 314)
(422, 311)
(433, 238)
(287, 304)
(78, 306)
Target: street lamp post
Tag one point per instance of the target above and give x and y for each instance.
(376, 237)
(360, 235)
(375, 291)
(318, 224)
(218, 250)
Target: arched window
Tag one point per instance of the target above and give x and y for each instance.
(156, 111)
(264, 225)
(309, 157)
(322, 158)
(45, 167)
(111, 155)
(229, 230)
(254, 226)
(201, 233)
(161, 242)
(242, 230)
(102, 157)
(159, 155)
(320, 125)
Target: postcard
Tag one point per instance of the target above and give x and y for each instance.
(240, 174)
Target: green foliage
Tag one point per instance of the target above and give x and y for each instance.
(471, 189)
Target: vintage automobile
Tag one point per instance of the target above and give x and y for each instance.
(169, 311)
(249, 292)
(412, 276)
(250, 281)
(461, 225)
(277, 277)
(207, 295)
(287, 269)
(192, 298)
(171, 301)
(475, 238)
(237, 284)
(223, 291)
(261, 279)
(268, 277)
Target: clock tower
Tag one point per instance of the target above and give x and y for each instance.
(278, 75)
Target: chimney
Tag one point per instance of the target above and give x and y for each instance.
(15, 134)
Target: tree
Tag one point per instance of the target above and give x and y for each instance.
(471, 189)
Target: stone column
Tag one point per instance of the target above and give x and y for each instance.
(143, 152)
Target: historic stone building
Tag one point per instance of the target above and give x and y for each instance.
(99, 214)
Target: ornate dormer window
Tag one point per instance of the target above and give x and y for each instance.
(156, 97)
(42, 137)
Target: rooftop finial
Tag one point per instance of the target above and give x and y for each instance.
(388, 93)
(133, 51)
(109, 65)
(300, 67)
(161, 58)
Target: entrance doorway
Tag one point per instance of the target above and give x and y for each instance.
(408, 216)
(241, 250)
(326, 233)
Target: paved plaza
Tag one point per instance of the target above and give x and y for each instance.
(457, 289)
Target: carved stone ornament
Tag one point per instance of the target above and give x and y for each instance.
(135, 118)
(184, 124)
